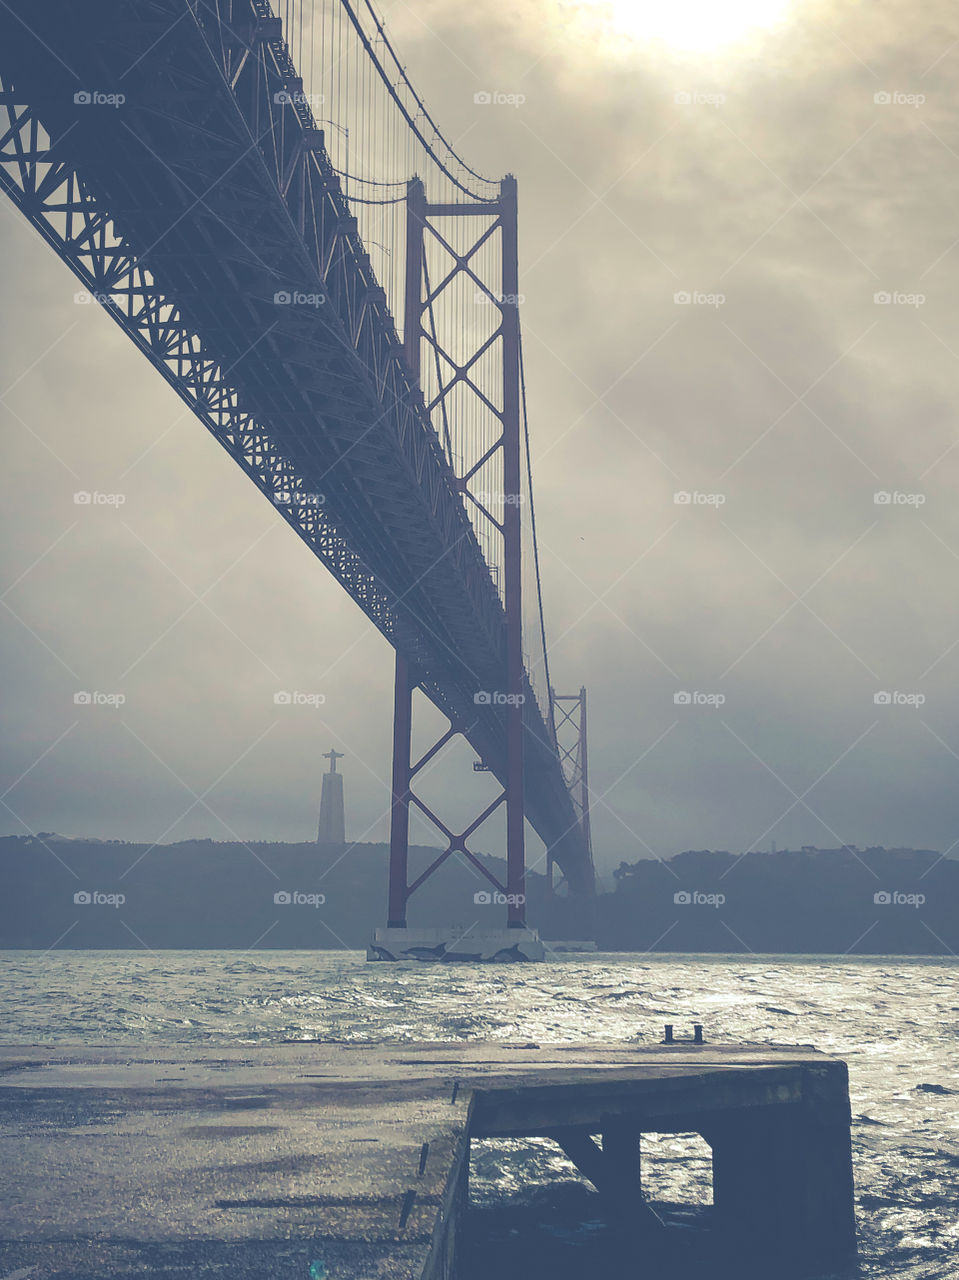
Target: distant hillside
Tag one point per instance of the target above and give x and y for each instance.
(200, 893)
(830, 901)
(203, 894)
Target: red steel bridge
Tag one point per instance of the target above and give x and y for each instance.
(234, 182)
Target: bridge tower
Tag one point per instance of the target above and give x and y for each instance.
(568, 718)
(494, 221)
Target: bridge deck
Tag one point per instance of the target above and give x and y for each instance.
(255, 1161)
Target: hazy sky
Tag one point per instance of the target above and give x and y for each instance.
(764, 179)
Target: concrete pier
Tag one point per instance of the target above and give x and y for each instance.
(457, 944)
(248, 1162)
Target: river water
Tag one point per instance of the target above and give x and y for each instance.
(894, 1020)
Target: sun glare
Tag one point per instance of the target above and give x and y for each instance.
(697, 25)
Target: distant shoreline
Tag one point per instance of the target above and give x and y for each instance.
(203, 895)
(559, 958)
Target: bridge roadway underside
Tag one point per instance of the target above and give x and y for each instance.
(225, 196)
(245, 1162)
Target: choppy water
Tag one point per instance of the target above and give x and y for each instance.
(894, 1020)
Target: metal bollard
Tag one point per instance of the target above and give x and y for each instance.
(698, 1033)
(668, 1033)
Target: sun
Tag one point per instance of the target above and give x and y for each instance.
(695, 25)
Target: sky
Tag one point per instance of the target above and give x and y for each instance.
(739, 258)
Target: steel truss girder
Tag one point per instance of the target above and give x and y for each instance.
(49, 191)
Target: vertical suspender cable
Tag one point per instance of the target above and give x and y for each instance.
(532, 517)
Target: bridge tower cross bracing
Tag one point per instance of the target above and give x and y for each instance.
(492, 218)
(568, 722)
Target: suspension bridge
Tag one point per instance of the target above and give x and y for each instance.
(260, 198)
